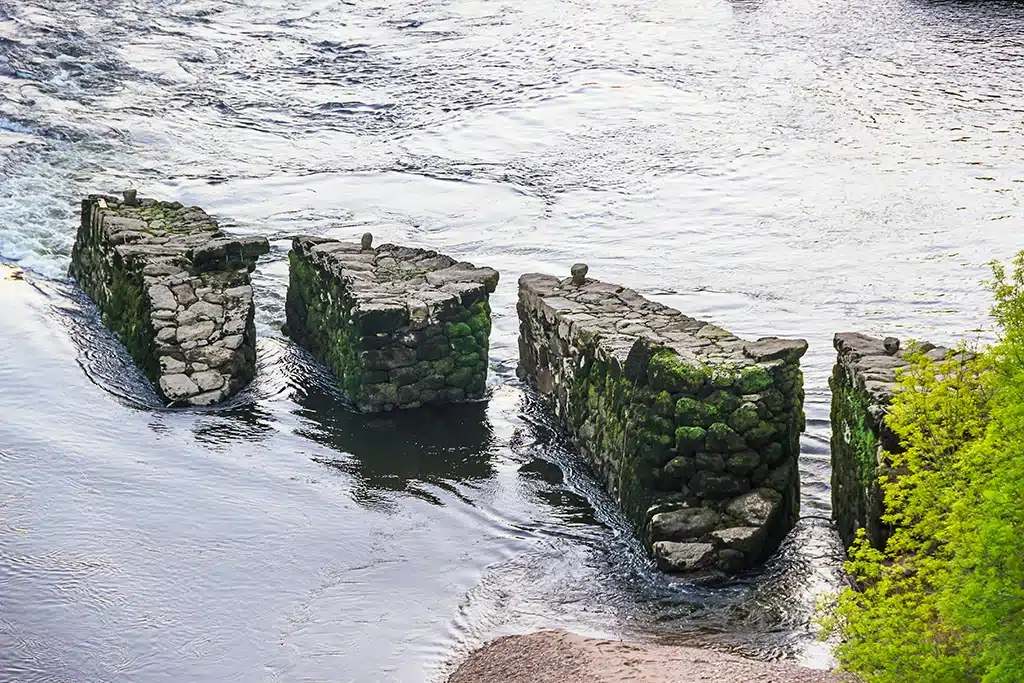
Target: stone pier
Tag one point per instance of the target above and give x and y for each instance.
(400, 327)
(863, 384)
(694, 431)
(176, 291)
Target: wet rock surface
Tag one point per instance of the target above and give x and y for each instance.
(863, 384)
(693, 430)
(175, 289)
(400, 327)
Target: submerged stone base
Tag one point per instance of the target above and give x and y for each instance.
(863, 384)
(695, 432)
(400, 327)
(176, 291)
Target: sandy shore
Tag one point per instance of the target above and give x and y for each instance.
(563, 657)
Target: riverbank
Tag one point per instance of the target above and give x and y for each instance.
(564, 657)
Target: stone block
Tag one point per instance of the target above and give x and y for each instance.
(679, 417)
(145, 263)
(399, 327)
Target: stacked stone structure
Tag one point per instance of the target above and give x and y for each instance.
(400, 327)
(694, 431)
(176, 291)
(863, 384)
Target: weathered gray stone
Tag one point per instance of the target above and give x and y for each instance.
(746, 539)
(755, 508)
(685, 524)
(208, 380)
(184, 294)
(171, 366)
(579, 274)
(464, 272)
(177, 387)
(195, 331)
(683, 557)
(201, 310)
(773, 348)
(161, 298)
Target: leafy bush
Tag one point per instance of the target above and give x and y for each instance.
(944, 602)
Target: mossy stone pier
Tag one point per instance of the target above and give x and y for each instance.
(863, 384)
(176, 291)
(400, 327)
(694, 431)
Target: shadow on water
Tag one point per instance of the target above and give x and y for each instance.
(404, 451)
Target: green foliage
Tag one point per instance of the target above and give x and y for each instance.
(945, 600)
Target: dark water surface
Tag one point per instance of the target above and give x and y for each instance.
(788, 167)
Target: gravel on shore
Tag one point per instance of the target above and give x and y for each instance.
(564, 657)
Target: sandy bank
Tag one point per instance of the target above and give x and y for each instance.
(563, 657)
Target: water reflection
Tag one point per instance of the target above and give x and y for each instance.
(238, 422)
(399, 451)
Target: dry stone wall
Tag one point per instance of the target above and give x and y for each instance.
(863, 384)
(694, 431)
(400, 327)
(176, 291)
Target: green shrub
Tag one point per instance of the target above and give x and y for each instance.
(945, 600)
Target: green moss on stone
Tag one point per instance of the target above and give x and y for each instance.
(689, 440)
(455, 330)
(721, 437)
(744, 418)
(662, 404)
(753, 379)
(690, 412)
(666, 372)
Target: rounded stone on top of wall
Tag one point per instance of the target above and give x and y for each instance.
(579, 273)
(366, 242)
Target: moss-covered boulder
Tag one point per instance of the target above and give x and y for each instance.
(680, 418)
(176, 291)
(400, 327)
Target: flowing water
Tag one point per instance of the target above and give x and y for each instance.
(790, 167)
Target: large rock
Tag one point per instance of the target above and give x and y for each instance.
(683, 557)
(400, 327)
(685, 524)
(170, 283)
(756, 508)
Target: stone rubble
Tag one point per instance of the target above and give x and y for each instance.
(693, 430)
(175, 289)
(400, 327)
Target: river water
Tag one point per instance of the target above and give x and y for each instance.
(789, 167)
